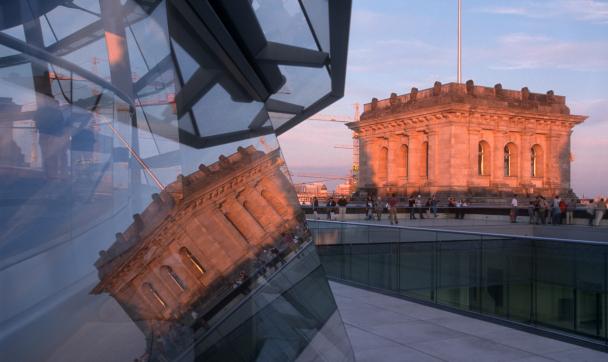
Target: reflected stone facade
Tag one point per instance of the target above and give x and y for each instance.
(181, 256)
(466, 139)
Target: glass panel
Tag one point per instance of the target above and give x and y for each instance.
(459, 274)
(416, 270)
(555, 285)
(283, 21)
(318, 15)
(212, 117)
(304, 85)
(278, 119)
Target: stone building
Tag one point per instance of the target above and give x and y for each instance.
(463, 139)
(185, 251)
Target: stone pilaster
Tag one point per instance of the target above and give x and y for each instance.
(261, 209)
(243, 221)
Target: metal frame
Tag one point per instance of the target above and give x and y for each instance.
(226, 39)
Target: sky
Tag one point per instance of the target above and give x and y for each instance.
(546, 44)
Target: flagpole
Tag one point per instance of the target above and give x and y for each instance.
(459, 70)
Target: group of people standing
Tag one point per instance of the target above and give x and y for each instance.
(596, 211)
(334, 210)
(558, 211)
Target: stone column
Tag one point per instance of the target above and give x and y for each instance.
(395, 166)
(473, 157)
(525, 157)
(434, 177)
(261, 209)
(245, 223)
(413, 178)
(459, 153)
(273, 195)
(498, 169)
(363, 162)
(232, 240)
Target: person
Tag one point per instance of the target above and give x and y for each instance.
(392, 209)
(555, 211)
(342, 207)
(562, 211)
(570, 208)
(434, 204)
(463, 206)
(378, 207)
(460, 204)
(418, 205)
(410, 204)
(591, 211)
(543, 206)
(600, 210)
(513, 212)
(369, 208)
(315, 207)
(531, 212)
(330, 208)
(427, 208)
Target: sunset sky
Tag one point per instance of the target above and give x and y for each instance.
(395, 45)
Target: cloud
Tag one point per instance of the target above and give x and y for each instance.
(582, 10)
(517, 51)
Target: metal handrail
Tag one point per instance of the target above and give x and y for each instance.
(475, 233)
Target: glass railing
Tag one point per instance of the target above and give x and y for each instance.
(551, 284)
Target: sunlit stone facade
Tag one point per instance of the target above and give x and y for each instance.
(466, 139)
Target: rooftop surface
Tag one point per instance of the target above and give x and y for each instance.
(383, 328)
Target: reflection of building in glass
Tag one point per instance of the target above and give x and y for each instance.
(466, 139)
(102, 104)
(184, 252)
(306, 191)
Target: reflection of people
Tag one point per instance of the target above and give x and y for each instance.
(600, 210)
(53, 138)
(315, 207)
(342, 207)
(330, 208)
(513, 212)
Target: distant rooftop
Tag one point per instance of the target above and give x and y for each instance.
(471, 94)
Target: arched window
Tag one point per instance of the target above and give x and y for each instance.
(383, 165)
(424, 169)
(483, 158)
(153, 294)
(536, 161)
(168, 272)
(510, 159)
(405, 160)
(191, 260)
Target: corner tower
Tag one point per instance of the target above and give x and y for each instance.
(466, 139)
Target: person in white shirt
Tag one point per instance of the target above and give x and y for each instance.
(513, 213)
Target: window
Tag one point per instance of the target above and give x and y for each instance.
(536, 161)
(383, 165)
(168, 271)
(483, 159)
(510, 160)
(153, 294)
(191, 260)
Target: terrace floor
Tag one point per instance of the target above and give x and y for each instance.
(383, 328)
